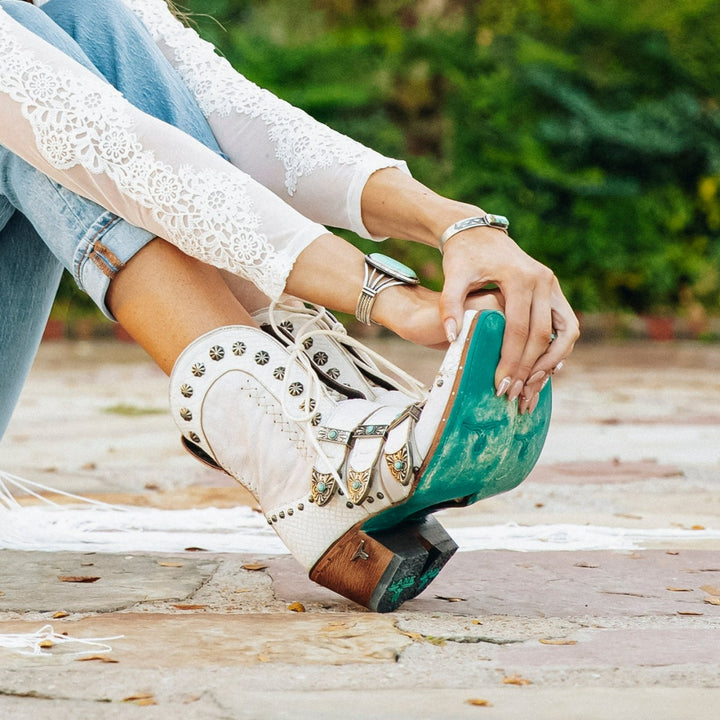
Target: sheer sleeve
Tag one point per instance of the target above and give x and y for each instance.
(318, 171)
(77, 129)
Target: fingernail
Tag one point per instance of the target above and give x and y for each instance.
(558, 367)
(545, 382)
(515, 390)
(534, 402)
(537, 377)
(503, 386)
(451, 330)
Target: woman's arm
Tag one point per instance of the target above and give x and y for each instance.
(74, 127)
(317, 170)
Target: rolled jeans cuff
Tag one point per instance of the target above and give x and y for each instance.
(107, 245)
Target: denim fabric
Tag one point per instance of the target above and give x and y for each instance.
(44, 226)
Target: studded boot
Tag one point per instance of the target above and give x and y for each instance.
(324, 469)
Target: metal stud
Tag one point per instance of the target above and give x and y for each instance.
(238, 348)
(316, 419)
(307, 343)
(186, 390)
(185, 414)
(301, 507)
(296, 389)
(198, 369)
(217, 352)
(279, 373)
(349, 504)
(282, 514)
(287, 325)
(320, 357)
(334, 373)
(262, 357)
(380, 496)
(291, 511)
(194, 437)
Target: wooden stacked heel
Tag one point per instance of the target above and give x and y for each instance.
(383, 569)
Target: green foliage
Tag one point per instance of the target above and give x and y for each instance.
(593, 124)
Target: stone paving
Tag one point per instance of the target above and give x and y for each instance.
(552, 633)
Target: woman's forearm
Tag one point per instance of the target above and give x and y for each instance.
(396, 205)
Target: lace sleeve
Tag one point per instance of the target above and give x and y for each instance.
(318, 171)
(80, 131)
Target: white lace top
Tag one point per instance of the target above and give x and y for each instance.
(252, 217)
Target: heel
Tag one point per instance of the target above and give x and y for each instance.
(381, 570)
(409, 536)
(367, 571)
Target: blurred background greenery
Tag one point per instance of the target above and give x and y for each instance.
(593, 124)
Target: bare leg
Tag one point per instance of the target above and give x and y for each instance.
(166, 299)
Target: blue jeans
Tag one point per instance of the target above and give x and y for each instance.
(43, 226)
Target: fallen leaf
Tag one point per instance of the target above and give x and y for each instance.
(672, 552)
(539, 505)
(60, 614)
(688, 612)
(78, 578)
(477, 622)
(164, 563)
(254, 566)
(450, 599)
(557, 641)
(698, 527)
(479, 702)
(516, 680)
(190, 607)
(585, 565)
(46, 643)
(195, 549)
(191, 699)
(263, 658)
(710, 589)
(439, 641)
(296, 607)
(100, 658)
(712, 600)
(141, 699)
(674, 589)
(86, 564)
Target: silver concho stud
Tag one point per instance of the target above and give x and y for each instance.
(185, 414)
(262, 357)
(358, 485)
(320, 358)
(198, 369)
(194, 437)
(287, 325)
(238, 348)
(307, 343)
(398, 464)
(279, 373)
(334, 373)
(186, 390)
(322, 486)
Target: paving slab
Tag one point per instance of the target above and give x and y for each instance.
(94, 582)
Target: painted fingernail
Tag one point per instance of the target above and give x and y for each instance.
(450, 330)
(502, 388)
(536, 377)
(523, 404)
(558, 367)
(515, 390)
(533, 403)
(545, 382)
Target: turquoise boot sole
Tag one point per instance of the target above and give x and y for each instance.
(486, 447)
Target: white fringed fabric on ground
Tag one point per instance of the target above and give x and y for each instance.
(93, 526)
(46, 637)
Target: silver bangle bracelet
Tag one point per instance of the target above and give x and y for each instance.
(499, 222)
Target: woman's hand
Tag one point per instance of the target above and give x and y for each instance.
(541, 328)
